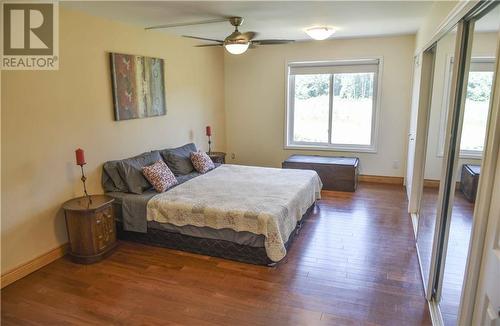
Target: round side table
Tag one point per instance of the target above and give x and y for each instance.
(91, 228)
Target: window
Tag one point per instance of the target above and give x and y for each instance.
(332, 105)
(477, 104)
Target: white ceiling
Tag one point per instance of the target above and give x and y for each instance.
(271, 19)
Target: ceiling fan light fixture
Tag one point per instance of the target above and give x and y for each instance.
(236, 43)
(320, 33)
(236, 47)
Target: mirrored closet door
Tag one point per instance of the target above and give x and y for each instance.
(436, 118)
(457, 119)
(473, 121)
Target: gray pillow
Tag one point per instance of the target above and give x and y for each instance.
(131, 171)
(111, 180)
(179, 159)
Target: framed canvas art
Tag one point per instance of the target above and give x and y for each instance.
(138, 86)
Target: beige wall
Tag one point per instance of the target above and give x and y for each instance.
(47, 115)
(436, 15)
(255, 100)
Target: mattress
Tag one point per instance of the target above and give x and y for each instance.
(262, 201)
(131, 214)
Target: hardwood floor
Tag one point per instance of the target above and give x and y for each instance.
(457, 250)
(456, 257)
(354, 263)
(426, 227)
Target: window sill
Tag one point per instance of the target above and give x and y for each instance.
(470, 157)
(371, 150)
(465, 156)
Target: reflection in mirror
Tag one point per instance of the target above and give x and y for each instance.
(476, 110)
(444, 50)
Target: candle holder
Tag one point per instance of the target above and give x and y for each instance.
(84, 178)
(208, 132)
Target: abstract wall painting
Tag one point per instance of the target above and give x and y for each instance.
(138, 86)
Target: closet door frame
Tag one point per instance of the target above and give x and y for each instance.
(452, 151)
(465, 14)
(484, 190)
(423, 117)
(462, 16)
(460, 74)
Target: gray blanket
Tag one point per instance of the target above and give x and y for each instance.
(133, 206)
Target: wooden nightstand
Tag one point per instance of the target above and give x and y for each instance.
(91, 228)
(217, 157)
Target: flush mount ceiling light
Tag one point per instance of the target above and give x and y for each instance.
(320, 33)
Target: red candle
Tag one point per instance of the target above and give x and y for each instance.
(209, 131)
(80, 157)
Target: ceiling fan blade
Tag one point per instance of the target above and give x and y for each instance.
(249, 35)
(206, 45)
(203, 38)
(210, 21)
(271, 42)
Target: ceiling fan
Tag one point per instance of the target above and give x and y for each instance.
(236, 43)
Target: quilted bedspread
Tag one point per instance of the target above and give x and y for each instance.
(265, 201)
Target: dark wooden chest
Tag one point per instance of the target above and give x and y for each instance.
(469, 180)
(336, 173)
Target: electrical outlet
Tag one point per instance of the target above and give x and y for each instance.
(395, 165)
(233, 156)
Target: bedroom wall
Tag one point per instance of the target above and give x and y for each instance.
(255, 100)
(47, 115)
(437, 13)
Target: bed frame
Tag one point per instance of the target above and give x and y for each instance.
(210, 247)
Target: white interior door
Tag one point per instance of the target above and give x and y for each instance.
(417, 135)
(417, 72)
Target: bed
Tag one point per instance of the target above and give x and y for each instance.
(244, 213)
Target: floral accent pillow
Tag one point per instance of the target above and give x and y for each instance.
(202, 162)
(160, 176)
